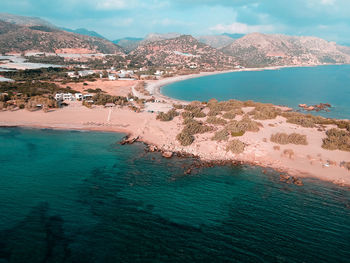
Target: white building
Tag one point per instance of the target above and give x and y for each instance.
(85, 73)
(72, 74)
(112, 77)
(87, 97)
(78, 96)
(64, 96)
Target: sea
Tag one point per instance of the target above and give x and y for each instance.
(286, 86)
(75, 196)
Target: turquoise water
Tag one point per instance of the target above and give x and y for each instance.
(69, 196)
(288, 86)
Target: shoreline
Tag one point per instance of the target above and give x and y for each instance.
(308, 162)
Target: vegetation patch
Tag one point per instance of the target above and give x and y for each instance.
(185, 138)
(294, 138)
(216, 121)
(337, 140)
(221, 135)
(265, 113)
(237, 134)
(195, 127)
(168, 116)
(235, 146)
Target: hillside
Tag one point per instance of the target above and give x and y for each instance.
(216, 41)
(258, 50)
(18, 38)
(83, 31)
(128, 43)
(181, 51)
(25, 20)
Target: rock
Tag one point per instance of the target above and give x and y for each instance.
(128, 140)
(188, 171)
(152, 148)
(284, 177)
(167, 154)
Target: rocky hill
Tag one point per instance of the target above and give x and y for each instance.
(185, 51)
(259, 50)
(42, 38)
(128, 43)
(83, 31)
(216, 41)
(25, 20)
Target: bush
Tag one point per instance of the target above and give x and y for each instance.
(185, 138)
(169, 116)
(187, 114)
(294, 138)
(178, 106)
(194, 127)
(235, 146)
(244, 125)
(264, 113)
(216, 121)
(214, 113)
(221, 135)
(307, 121)
(229, 115)
(237, 134)
(337, 140)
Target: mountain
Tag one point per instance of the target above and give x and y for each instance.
(25, 20)
(128, 43)
(216, 41)
(153, 37)
(83, 31)
(42, 38)
(181, 51)
(259, 50)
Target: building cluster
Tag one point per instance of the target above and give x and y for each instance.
(73, 97)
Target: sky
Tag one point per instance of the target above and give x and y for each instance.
(329, 19)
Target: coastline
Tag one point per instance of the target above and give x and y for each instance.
(310, 163)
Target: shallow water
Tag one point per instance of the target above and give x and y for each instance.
(70, 196)
(288, 86)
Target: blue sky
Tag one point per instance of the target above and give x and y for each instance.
(329, 19)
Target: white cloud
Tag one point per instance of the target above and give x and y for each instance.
(114, 4)
(328, 2)
(240, 28)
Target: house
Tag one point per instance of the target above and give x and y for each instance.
(112, 77)
(59, 96)
(64, 96)
(72, 74)
(85, 73)
(68, 96)
(78, 96)
(159, 73)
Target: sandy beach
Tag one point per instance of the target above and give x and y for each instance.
(306, 161)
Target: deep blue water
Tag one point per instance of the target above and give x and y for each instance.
(288, 86)
(68, 196)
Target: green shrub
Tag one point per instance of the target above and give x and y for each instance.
(187, 114)
(178, 106)
(212, 113)
(229, 115)
(216, 121)
(237, 134)
(235, 146)
(185, 138)
(195, 127)
(337, 140)
(294, 138)
(264, 113)
(307, 121)
(170, 115)
(221, 135)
